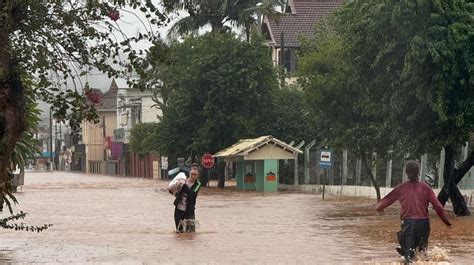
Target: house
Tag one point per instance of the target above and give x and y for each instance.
(298, 20)
(133, 107)
(97, 137)
(42, 134)
(257, 161)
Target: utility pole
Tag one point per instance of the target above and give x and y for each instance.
(282, 60)
(104, 139)
(50, 141)
(60, 134)
(56, 147)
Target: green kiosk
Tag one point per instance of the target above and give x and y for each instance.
(256, 161)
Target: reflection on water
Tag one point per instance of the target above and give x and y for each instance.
(100, 219)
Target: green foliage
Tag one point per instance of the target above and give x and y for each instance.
(290, 116)
(344, 114)
(218, 12)
(143, 139)
(61, 40)
(152, 80)
(393, 75)
(415, 59)
(53, 41)
(25, 147)
(220, 92)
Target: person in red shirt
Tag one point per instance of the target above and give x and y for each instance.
(414, 197)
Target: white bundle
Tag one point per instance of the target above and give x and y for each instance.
(177, 183)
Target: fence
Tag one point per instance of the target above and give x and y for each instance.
(348, 169)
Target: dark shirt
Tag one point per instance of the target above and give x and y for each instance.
(191, 195)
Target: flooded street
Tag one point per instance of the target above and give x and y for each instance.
(103, 219)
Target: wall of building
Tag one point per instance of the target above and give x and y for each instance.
(149, 113)
(93, 139)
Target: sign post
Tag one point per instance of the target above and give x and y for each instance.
(164, 167)
(207, 161)
(325, 162)
(325, 159)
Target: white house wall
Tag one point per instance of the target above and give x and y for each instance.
(140, 99)
(149, 113)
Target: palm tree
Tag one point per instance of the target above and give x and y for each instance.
(242, 13)
(201, 13)
(248, 13)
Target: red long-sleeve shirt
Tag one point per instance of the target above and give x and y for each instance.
(414, 198)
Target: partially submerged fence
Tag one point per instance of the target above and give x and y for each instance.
(348, 169)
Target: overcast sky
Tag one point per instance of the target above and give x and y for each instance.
(131, 22)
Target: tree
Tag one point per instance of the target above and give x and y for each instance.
(220, 92)
(418, 56)
(290, 115)
(24, 149)
(217, 13)
(143, 138)
(344, 108)
(57, 39)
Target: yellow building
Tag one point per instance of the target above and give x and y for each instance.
(97, 137)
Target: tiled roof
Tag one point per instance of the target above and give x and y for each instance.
(302, 22)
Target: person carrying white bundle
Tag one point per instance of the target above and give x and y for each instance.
(186, 191)
(177, 183)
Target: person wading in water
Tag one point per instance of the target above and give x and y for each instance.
(414, 197)
(185, 202)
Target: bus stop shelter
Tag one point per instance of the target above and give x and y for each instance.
(256, 161)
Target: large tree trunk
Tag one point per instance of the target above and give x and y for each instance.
(371, 176)
(451, 178)
(221, 173)
(12, 107)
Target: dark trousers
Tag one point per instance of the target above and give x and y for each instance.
(181, 215)
(178, 216)
(413, 235)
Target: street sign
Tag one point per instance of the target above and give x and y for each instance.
(325, 159)
(207, 161)
(164, 162)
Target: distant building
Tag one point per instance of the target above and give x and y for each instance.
(97, 137)
(298, 19)
(133, 107)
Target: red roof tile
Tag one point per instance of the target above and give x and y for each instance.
(302, 22)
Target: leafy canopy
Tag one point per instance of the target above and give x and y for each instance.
(416, 59)
(64, 40)
(220, 91)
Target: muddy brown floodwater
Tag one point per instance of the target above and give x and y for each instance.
(103, 219)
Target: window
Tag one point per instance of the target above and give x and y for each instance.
(289, 60)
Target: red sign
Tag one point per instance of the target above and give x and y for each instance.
(207, 161)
